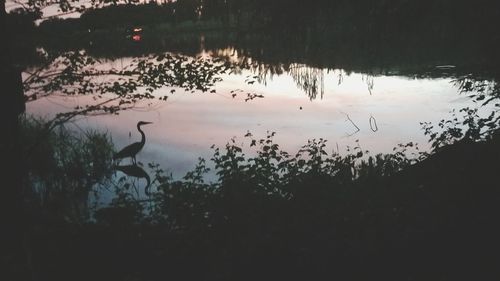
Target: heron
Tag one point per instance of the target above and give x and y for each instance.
(133, 149)
(137, 172)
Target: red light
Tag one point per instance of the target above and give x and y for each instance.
(136, 37)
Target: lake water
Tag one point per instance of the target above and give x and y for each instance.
(380, 110)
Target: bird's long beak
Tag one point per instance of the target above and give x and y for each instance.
(145, 123)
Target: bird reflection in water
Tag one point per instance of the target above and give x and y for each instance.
(135, 171)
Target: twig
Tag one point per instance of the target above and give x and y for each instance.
(373, 124)
(354, 124)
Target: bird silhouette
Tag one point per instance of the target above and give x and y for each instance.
(133, 149)
(137, 172)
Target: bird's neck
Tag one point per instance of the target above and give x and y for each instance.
(143, 138)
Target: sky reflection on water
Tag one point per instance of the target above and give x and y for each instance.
(188, 124)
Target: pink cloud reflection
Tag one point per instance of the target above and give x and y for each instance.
(186, 125)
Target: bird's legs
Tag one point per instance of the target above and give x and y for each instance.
(134, 161)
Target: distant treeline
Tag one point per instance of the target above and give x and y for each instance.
(355, 35)
(296, 15)
(460, 28)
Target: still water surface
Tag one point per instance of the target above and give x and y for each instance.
(380, 111)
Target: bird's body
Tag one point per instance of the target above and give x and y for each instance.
(133, 149)
(129, 151)
(137, 172)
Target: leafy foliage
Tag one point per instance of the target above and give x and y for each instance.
(469, 124)
(63, 168)
(270, 175)
(77, 74)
